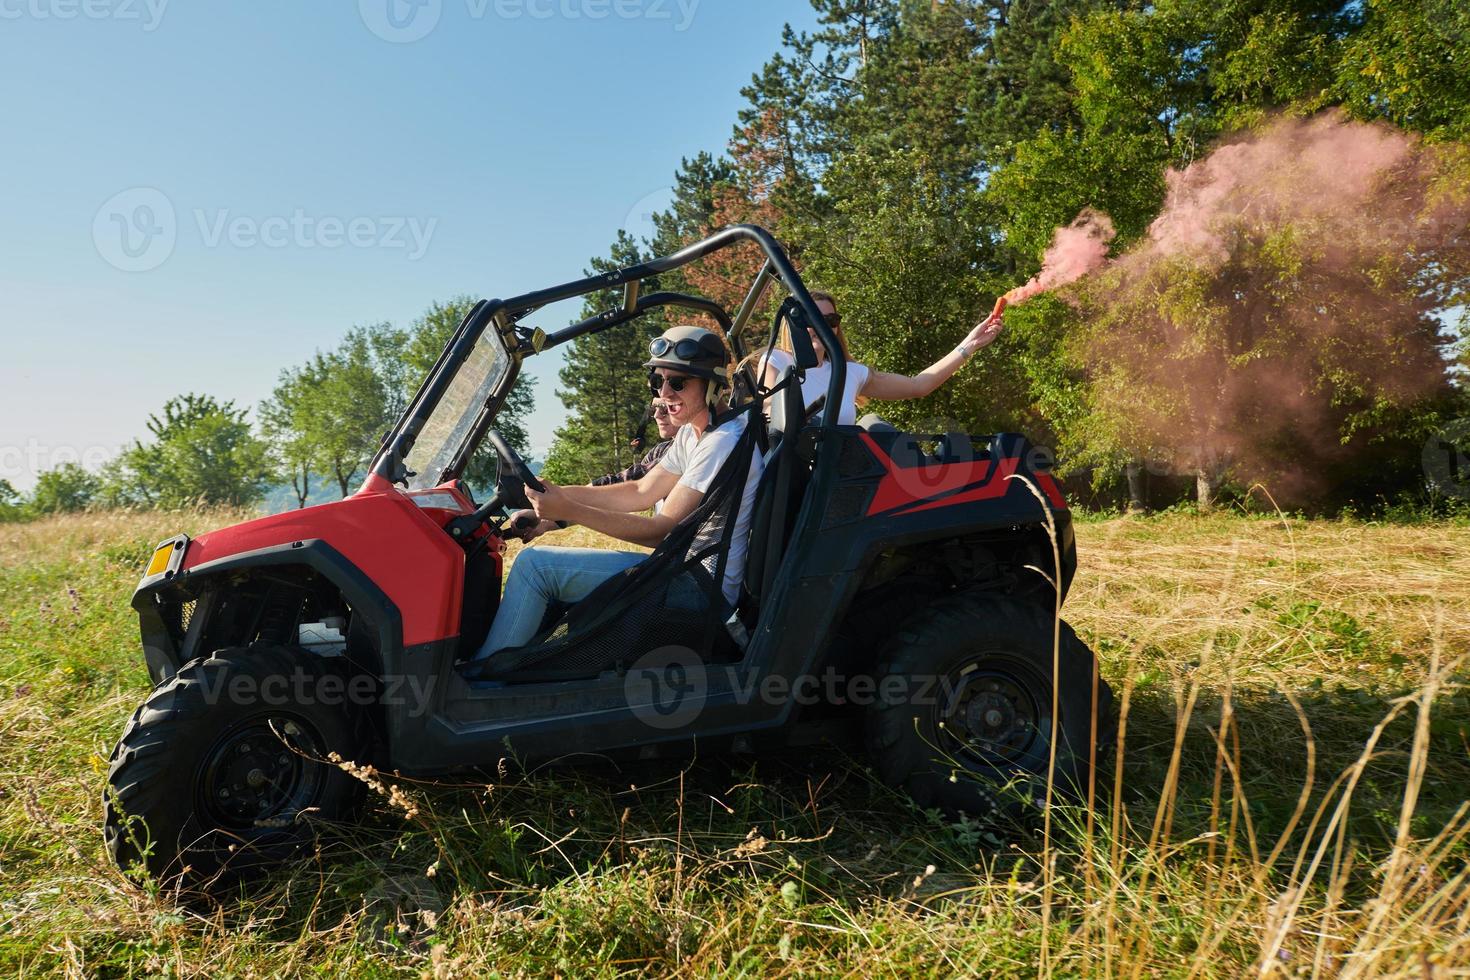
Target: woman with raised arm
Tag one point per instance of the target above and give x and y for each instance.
(863, 381)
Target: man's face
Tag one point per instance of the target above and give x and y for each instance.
(684, 406)
(666, 426)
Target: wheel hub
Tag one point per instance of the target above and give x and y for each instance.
(253, 774)
(990, 715)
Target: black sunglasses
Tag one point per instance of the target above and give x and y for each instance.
(834, 320)
(685, 350)
(660, 409)
(657, 381)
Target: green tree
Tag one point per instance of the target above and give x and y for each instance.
(1407, 65)
(691, 215)
(328, 416)
(387, 350)
(285, 420)
(10, 503)
(346, 409)
(64, 489)
(1022, 87)
(903, 254)
(603, 385)
(1299, 348)
(202, 451)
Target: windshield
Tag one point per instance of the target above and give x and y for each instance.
(448, 428)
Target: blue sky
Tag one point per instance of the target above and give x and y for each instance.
(198, 194)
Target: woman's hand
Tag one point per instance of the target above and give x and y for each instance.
(985, 331)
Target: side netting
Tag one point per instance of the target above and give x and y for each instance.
(671, 599)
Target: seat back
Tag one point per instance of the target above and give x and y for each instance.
(778, 496)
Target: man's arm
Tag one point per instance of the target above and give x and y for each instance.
(645, 467)
(557, 504)
(630, 497)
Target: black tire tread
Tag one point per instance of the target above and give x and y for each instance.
(143, 776)
(937, 634)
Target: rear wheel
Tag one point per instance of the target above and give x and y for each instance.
(223, 769)
(963, 718)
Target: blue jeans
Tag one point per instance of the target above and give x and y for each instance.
(543, 575)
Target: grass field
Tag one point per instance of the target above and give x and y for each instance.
(1289, 798)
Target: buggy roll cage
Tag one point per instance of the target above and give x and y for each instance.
(520, 342)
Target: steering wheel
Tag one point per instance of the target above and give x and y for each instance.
(514, 474)
(510, 489)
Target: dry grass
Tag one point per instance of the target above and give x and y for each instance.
(1289, 799)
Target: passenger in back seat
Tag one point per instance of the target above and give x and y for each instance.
(862, 381)
(687, 371)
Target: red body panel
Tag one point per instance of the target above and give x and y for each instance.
(915, 488)
(397, 544)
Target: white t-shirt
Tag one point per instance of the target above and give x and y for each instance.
(695, 461)
(814, 386)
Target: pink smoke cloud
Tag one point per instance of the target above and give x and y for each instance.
(1077, 249)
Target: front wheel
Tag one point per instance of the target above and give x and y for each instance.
(223, 769)
(964, 715)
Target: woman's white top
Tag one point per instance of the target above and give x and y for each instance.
(814, 386)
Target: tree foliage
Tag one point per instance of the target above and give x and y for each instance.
(11, 508)
(202, 451)
(917, 158)
(64, 489)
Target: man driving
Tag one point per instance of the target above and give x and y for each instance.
(534, 527)
(687, 371)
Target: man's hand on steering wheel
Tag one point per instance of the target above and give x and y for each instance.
(511, 484)
(550, 503)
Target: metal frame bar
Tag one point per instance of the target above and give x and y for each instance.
(388, 466)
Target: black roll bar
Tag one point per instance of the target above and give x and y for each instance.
(504, 314)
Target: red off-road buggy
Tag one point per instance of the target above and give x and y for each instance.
(901, 586)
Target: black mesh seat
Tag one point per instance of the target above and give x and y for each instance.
(778, 497)
(631, 613)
